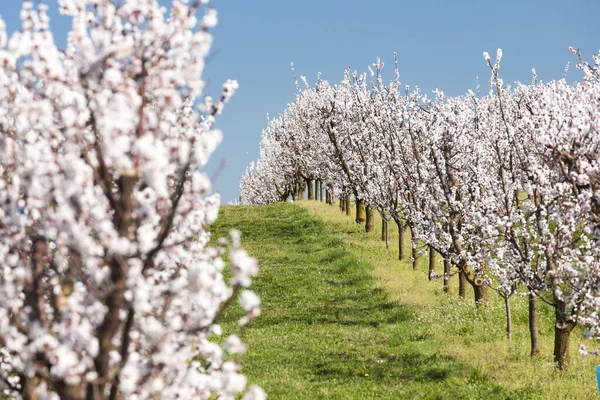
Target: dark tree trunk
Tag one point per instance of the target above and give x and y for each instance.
(446, 276)
(317, 190)
(28, 388)
(401, 229)
(462, 285)
(480, 291)
(562, 335)
(302, 190)
(466, 276)
(384, 232)
(387, 242)
(330, 191)
(431, 262)
(321, 190)
(534, 334)
(360, 212)
(415, 252)
(369, 219)
(347, 204)
(508, 318)
(311, 193)
(119, 269)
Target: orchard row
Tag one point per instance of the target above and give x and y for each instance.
(505, 187)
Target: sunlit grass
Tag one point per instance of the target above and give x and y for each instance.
(474, 337)
(343, 318)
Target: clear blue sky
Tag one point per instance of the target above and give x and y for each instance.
(439, 45)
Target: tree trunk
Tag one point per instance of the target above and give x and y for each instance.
(360, 212)
(321, 190)
(462, 285)
(415, 253)
(317, 190)
(446, 276)
(347, 204)
(28, 387)
(370, 219)
(311, 192)
(533, 328)
(321, 196)
(296, 192)
(480, 291)
(331, 198)
(562, 335)
(384, 232)
(431, 262)
(401, 230)
(302, 190)
(387, 243)
(400, 239)
(563, 325)
(508, 318)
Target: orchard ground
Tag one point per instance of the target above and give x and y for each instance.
(342, 317)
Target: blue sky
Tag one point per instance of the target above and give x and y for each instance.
(439, 45)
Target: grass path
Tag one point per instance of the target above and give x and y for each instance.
(342, 318)
(328, 328)
(474, 337)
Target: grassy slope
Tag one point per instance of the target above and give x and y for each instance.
(330, 329)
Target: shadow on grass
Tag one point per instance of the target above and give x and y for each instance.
(323, 320)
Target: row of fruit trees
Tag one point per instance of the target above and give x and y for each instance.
(504, 186)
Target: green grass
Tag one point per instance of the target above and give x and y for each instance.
(342, 318)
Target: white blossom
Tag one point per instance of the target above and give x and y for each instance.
(107, 281)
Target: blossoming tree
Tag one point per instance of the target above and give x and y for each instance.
(108, 288)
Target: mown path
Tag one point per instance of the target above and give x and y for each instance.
(326, 331)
